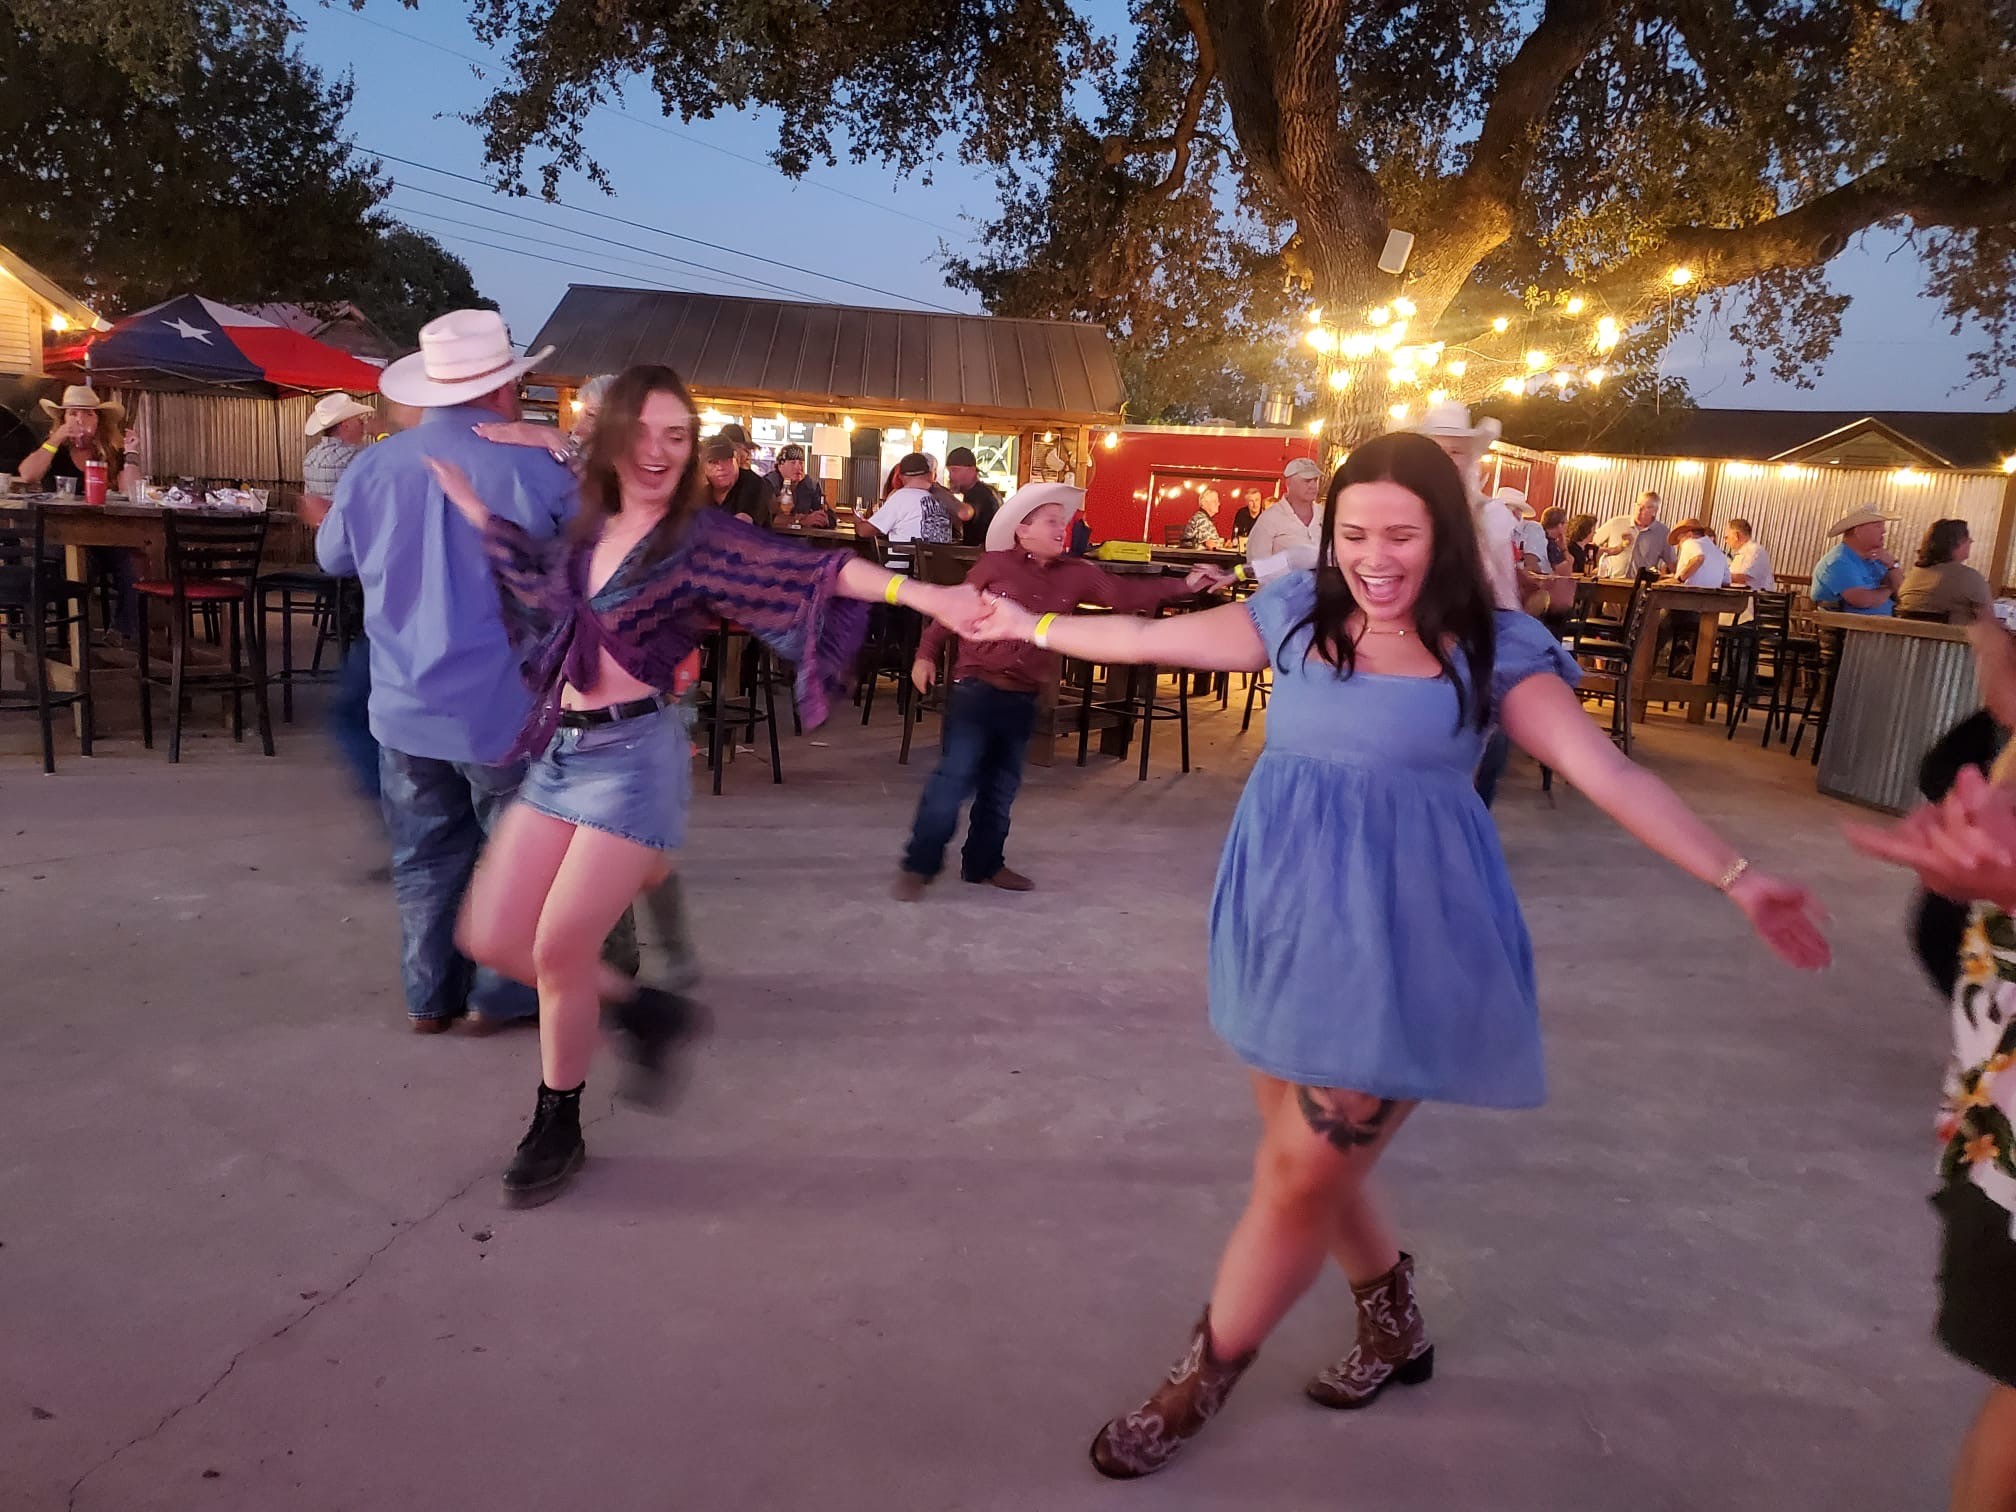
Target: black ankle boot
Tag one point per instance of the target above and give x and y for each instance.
(650, 1029)
(549, 1154)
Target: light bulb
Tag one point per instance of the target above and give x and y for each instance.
(576, 405)
(1359, 344)
(1563, 378)
(1340, 379)
(847, 422)
(58, 321)
(1516, 387)
(1436, 396)
(1405, 307)
(1577, 304)
(1316, 316)
(1596, 377)
(1316, 427)
(1536, 360)
(1321, 339)
(1398, 412)
(2009, 464)
(1501, 325)
(1681, 277)
(1112, 439)
(1458, 367)
(1380, 315)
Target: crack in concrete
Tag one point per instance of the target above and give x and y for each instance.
(76, 1486)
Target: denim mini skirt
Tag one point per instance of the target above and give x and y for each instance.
(631, 777)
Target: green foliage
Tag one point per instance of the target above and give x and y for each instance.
(410, 279)
(215, 165)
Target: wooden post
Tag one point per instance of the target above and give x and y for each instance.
(1714, 473)
(2005, 536)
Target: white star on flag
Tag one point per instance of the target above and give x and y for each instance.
(186, 330)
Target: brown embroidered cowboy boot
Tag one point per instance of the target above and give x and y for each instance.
(1392, 1343)
(1147, 1439)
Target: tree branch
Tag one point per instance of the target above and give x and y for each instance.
(1179, 142)
(1527, 86)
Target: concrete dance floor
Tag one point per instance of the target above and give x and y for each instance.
(949, 1184)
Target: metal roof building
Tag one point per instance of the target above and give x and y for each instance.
(1007, 373)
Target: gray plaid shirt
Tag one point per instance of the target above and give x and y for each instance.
(324, 464)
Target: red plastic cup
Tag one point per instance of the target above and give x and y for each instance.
(94, 482)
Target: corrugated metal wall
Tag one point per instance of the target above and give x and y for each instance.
(221, 436)
(1790, 507)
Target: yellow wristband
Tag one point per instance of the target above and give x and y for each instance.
(1042, 635)
(1240, 574)
(893, 594)
(50, 447)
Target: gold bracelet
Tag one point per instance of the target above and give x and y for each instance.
(1042, 634)
(1734, 875)
(893, 594)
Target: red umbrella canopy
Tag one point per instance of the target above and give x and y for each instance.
(198, 339)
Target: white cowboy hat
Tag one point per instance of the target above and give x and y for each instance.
(1024, 502)
(1451, 418)
(332, 409)
(81, 396)
(1855, 519)
(463, 355)
(1515, 500)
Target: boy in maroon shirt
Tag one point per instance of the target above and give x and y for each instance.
(995, 684)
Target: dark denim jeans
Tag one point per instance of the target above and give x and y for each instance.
(987, 733)
(438, 814)
(350, 719)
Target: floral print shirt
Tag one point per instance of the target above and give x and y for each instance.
(1978, 1143)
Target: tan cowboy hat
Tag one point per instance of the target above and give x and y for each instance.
(1855, 519)
(1024, 502)
(463, 355)
(1693, 525)
(332, 409)
(82, 396)
(1451, 418)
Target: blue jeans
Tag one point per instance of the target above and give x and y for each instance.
(987, 733)
(350, 719)
(438, 814)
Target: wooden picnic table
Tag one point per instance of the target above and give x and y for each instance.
(1708, 605)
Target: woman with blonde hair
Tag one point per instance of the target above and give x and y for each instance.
(88, 429)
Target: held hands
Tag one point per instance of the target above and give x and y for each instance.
(1003, 619)
(455, 484)
(1963, 847)
(958, 609)
(1206, 579)
(524, 433)
(1785, 917)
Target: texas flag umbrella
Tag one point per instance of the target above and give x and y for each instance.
(200, 340)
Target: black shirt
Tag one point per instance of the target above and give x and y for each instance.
(1242, 522)
(986, 504)
(63, 465)
(747, 496)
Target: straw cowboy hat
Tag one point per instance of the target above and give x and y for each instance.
(1451, 419)
(1855, 519)
(332, 409)
(1515, 500)
(81, 396)
(1024, 502)
(1693, 525)
(463, 355)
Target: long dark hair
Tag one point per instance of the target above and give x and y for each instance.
(1455, 603)
(615, 434)
(1941, 542)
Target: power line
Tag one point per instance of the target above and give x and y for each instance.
(619, 220)
(660, 126)
(531, 220)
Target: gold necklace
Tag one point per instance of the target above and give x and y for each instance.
(1368, 630)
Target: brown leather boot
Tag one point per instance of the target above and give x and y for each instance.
(1147, 1439)
(1392, 1343)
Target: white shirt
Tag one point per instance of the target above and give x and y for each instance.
(1280, 542)
(900, 517)
(1531, 537)
(1753, 562)
(1495, 526)
(1621, 530)
(1714, 569)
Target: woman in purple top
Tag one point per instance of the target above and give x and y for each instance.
(604, 616)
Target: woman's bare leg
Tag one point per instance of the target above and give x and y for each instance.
(507, 895)
(599, 876)
(1316, 1149)
(1364, 1246)
(1985, 1478)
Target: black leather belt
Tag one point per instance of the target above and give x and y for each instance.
(637, 708)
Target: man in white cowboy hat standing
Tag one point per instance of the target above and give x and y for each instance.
(87, 430)
(446, 697)
(1858, 576)
(991, 711)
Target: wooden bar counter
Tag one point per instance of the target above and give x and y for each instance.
(1901, 684)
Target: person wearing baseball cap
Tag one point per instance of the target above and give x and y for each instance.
(962, 473)
(1858, 576)
(794, 498)
(991, 710)
(1285, 537)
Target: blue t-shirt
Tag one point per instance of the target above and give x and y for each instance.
(1842, 569)
(444, 681)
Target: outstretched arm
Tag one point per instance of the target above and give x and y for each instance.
(1213, 640)
(1544, 717)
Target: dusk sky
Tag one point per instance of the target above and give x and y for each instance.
(711, 181)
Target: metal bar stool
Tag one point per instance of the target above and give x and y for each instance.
(36, 602)
(213, 559)
(326, 602)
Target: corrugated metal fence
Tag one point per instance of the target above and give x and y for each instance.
(1789, 506)
(222, 436)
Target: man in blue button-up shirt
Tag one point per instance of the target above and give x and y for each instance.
(446, 698)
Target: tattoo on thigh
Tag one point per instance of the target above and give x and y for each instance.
(1349, 1120)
